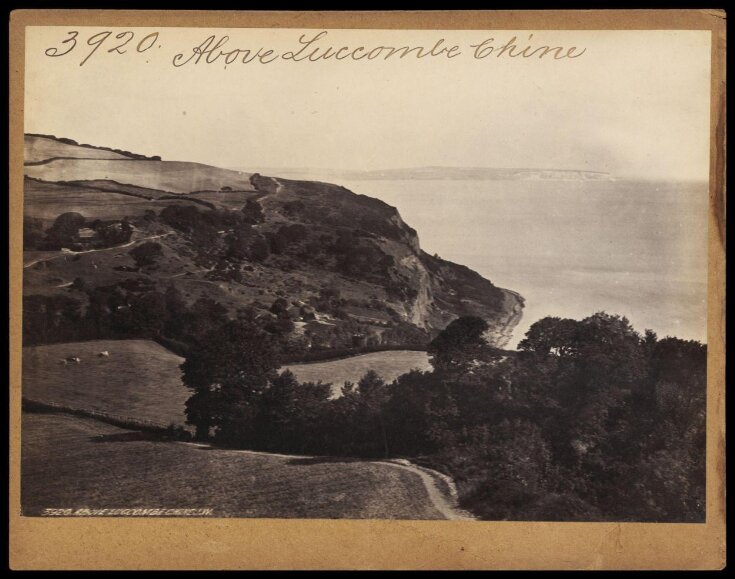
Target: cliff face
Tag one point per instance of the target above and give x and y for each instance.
(428, 292)
(349, 268)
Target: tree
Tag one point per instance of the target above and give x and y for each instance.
(146, 253)
(227, 375)
(259, 249)
(550, 335)
(65, 229)
(679, 377)
(148, 315)
(50, 319)
(253, 212)
(175, 303)
(201, 321)
(373, 394)
(182, 217)
(291, 415)
(459, 345)
(280, 306)
(277, 242)
(32, 232)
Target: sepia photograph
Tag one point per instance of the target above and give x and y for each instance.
(365, 274)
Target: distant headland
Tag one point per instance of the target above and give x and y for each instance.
(452, 174)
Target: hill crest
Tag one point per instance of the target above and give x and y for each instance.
(349, 269)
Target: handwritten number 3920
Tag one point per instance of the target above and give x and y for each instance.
(97, 40)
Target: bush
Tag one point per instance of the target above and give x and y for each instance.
(146, 253)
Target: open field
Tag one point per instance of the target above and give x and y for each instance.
(140, 378)
(389, 365)
(70, 462)
(170, 176)
(46, 201)
(37, 149)
(225, 199)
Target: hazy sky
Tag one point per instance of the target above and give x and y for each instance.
(636, 103)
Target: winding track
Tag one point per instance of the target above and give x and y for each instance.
(69, 252)
(438, 499)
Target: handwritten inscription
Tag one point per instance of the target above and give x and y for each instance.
(120, 42)
(309, 47)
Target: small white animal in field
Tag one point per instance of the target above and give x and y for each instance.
(71, 359)
(104, 354)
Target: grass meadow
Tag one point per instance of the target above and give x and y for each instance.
(139, 379)
(389, 365)
(70, 462)
(171, 176)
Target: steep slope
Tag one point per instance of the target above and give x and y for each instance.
(372, 244)
(350, 271)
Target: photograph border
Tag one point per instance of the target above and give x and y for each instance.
(195, 543)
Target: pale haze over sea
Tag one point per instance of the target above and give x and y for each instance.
(571, 248)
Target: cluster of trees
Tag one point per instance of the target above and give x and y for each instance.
(588, 421)
(64, 232)
(146, 253)
(224, 239)
(135, 308)
(358, 256)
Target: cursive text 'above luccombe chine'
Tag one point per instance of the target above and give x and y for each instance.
(220, 49)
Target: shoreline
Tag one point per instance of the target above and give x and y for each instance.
(505, 333)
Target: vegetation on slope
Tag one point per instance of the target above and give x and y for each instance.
(243, 256)
(350, 270)
(589, 421)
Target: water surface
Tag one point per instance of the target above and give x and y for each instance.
(571, 248)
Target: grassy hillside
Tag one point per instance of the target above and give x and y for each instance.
(37, 148)
(139, 379)
(246, 240)
(72, 462)
(234, 200)
(170, 176)
(389, 365)
(46, 201)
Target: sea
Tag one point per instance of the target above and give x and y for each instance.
(570, 248)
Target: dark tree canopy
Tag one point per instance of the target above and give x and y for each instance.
(64, 230)
(227, 374)
(253, 212)
(146, 253)
(459, 344)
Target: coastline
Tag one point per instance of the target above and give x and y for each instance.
(504, 333)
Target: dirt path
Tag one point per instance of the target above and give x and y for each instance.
(69, 252)
(438, 498)
(445, 506)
